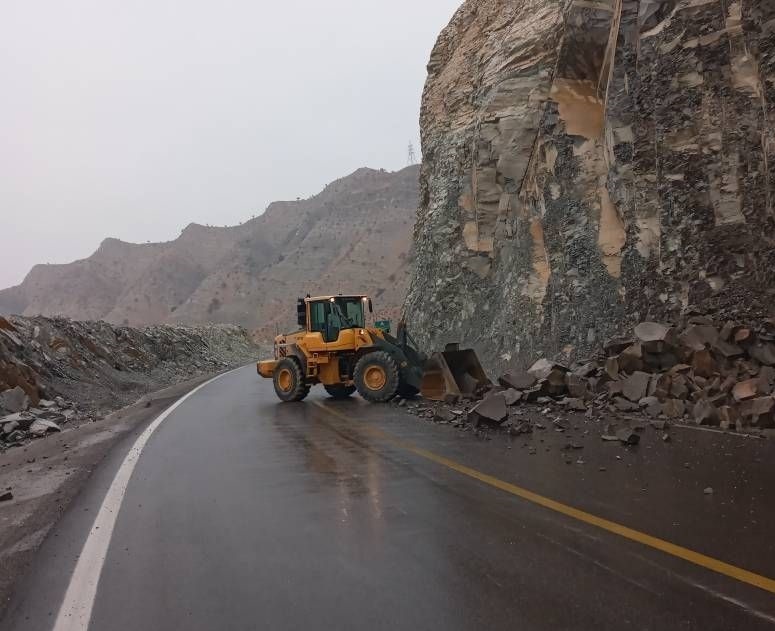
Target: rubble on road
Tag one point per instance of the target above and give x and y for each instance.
(702, 373)
(56, 371)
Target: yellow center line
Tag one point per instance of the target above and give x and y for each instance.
(697, 558)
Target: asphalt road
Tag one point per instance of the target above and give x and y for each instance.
(245, 513)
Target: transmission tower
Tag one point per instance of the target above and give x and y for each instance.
(411, 157)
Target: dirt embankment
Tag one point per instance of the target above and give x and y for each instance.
(55, 371)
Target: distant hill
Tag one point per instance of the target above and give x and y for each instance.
(354, 236)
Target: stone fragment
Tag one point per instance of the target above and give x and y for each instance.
(679, 388)
(728, 416)
(654, 336)
(616, 345)
(585, 370)
(636, 386)
(767, 374)
(746, 389)
(764, 353)
(554, 383)
(704, 413)
(674, 408)
(698, 337)
(612, 368)
(727, 349)
(651, 405)
(631, 359)
(14, 400)
(703, 363)
(517, 379)
(442, 415)
(574, 404)
(40, 427)
(491, 409)
(512, 396)
(624, 405)
(743, 336)
(541, 368)
(708, 490)
(577, 387)
(628, 436)
(754, 409)
(661, 386)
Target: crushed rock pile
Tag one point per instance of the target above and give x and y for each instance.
(56, 370)
(703, 373)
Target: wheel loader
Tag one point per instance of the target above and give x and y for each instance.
(334, 347)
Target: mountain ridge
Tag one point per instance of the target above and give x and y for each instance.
(352, 236)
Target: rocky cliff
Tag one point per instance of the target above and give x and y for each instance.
(353, 236)
(589, 164)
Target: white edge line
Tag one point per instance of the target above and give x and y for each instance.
(76, 609)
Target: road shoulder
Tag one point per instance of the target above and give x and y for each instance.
(46, 476)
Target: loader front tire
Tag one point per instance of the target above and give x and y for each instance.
(339, 391)
(289, 381)
(376, 377)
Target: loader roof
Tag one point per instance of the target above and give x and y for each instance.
(313, 298)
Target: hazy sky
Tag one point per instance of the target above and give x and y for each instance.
(133, 118)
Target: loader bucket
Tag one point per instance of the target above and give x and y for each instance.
(452, 373)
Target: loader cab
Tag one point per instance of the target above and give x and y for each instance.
(328, 315)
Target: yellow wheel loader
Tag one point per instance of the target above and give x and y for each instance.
(334, 347)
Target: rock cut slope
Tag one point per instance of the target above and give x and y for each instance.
(353, 236)
(592, 164)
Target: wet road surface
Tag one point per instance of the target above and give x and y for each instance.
(244, 513)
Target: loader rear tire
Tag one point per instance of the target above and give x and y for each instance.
(289, 381)
(376, 377)
(339, 391)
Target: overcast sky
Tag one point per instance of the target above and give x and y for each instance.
(133, 118)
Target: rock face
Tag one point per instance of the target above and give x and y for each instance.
(588, 165)
(354, 236)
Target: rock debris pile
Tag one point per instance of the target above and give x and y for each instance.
(703, 373)
(55, 370)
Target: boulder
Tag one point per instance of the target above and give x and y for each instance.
(491, 409)
(747, 389)
(543, 368)
(631, 359)
(512, 396)
(14, 400)
(574, 404)
(703, 363)
(40, 427)
(517, 379)
(704, 413)
(755, 409)
(654, 336)
(628, 436)
(727, 349)
(763, 353)
(651, 405)
(728, 416)
(674, 408)
(698, 337)
(636, 386)
(577, 387)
